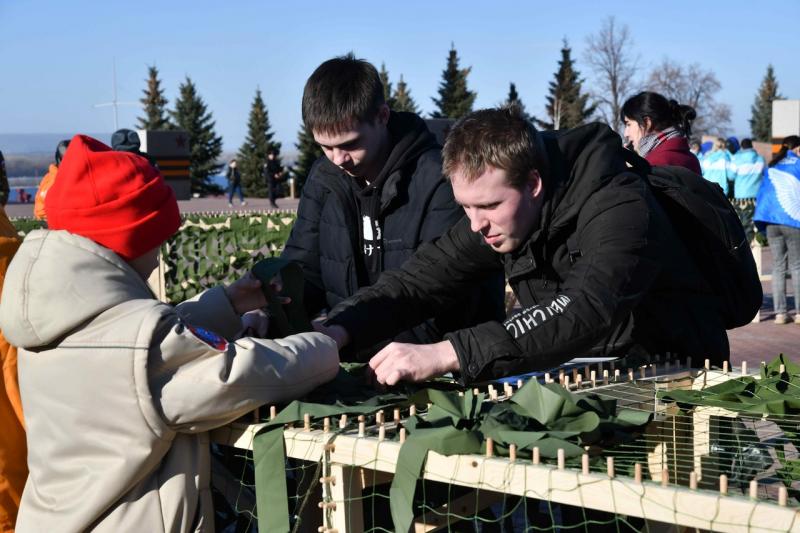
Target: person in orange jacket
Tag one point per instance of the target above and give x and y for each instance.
(48, 180)
(13, 450)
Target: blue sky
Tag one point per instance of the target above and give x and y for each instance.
(57, 56)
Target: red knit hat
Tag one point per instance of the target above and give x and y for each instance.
(116, 199)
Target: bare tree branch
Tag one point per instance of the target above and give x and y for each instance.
(614, 67)
(696, 87)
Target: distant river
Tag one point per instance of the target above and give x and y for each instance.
(30, 184)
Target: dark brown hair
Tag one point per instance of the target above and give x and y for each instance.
(789, 143)
(662, 113)
(341, 92)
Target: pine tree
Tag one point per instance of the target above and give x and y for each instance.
(252, 155)
(308, 152)
(761, 110)
(455, 100)
(566, 106)
(154, 102)
(387, 86)
(402, 98)
(514, 99)
(191, 114)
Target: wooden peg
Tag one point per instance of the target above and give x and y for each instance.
(744, 368)
(693, 480)
(643, 371)
(610, 467)
(667, 367)
(489, 447)
(512, 452)
(637, 472)
(688, 361)
(306, 422)
(782, 369)
(396, 415)
(491, 390)
(326, 424)
(330, 447)
(256, 417)
(616, 374)
(723, 484)
(561, 459)
(273, 412)
(605, 377)
(586, 371)
(724, 367)
(593, 376)
(783, 495)
(754, 489)
(574, 375)
(630, 374)
(566, 382)
(327, 505)
(362, 428)
(412, 411)
(476, 391)
(578, 382)
(665, 477)
(707, 364)
(561, 375)
(585, 464)
(379, 417)
(381, 432)
(328, 479)
(537, 458)
(613, 364)
(654, 368)
(461, 393)
(362, 418)
(343, 422)
(493, 394)
(520, 383)
(547, 378)
(402, 435)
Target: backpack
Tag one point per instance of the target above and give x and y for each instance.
(707, 224)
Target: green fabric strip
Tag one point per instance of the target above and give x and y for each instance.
(546, 416)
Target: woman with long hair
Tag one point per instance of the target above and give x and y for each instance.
(658, 130)
(778, 207)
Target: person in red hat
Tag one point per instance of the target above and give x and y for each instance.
(118, 389)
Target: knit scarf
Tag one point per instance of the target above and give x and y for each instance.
(649, 142)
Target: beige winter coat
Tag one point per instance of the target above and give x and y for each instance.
(119, 393)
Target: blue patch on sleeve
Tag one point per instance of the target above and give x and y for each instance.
(209, 337)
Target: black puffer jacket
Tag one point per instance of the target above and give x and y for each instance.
(603, 274)
(417, 206)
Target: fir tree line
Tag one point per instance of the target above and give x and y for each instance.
(568, 105)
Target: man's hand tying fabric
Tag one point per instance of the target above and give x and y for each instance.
(411, 362)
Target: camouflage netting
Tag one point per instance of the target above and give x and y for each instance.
(219, 248)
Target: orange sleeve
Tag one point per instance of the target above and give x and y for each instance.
(41, 192)
(13, 450)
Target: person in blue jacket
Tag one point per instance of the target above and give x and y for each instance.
(748, 169)
(716, 165)
(778, 208)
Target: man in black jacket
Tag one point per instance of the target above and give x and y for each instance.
(375, 196)
(587, 249)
